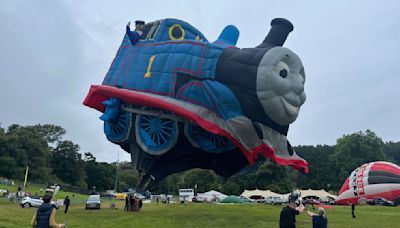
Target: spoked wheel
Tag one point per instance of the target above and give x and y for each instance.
(206, 140)
(117, 122)
(155, 135)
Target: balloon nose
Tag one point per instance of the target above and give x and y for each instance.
(298, 85)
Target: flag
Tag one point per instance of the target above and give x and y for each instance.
(26, 176)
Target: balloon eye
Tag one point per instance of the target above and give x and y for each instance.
(282, 69)
(283, 73)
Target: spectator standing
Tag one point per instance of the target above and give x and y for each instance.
(66, 204)
(45, 216)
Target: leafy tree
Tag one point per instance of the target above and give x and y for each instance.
(355, 149)
(392, 151)
(88, 157)
(128, 177)
(320, 165)
(100, 174)
(51, 133)
(67, 163)
(28, 149)
(204, 179)
(273, 177)
(230, 187)
(8, 167)
(170, 185)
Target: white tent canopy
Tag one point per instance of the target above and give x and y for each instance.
(316, 193)
(304, 193)
(211, 194)
(313, 193)
(257, 192)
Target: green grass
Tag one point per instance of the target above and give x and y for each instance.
(198, 215)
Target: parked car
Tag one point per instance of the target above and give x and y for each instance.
(3, 192)
(247, 200)
(328, 201)
(142, 197)
(380, 201)
(112, 193)
(93, 202)
(198, 199)
(36, 201)
(311, 201)
(274, 200)
(261, 200)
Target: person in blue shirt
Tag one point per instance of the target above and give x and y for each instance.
(319, 220)
(134, 36)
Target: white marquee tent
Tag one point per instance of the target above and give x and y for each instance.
(213, 194)
(258, 193)
(304, 194)
(316, 193)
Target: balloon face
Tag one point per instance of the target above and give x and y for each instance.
(280, 85)
(371, 180)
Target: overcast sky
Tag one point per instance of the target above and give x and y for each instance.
(52, 51)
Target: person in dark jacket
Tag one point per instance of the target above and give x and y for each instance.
(319, 220)
(287, 218)
(126, 203)
(353, 210)
(66, 203)
(45, 215)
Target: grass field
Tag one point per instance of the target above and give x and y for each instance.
(198, 215)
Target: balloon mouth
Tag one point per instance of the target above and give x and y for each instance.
(290, 109)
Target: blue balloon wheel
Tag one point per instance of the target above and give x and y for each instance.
(117, 122)
(206, 140)
(155, 135)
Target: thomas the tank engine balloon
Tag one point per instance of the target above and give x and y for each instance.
(176, 101)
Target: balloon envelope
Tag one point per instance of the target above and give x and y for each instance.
(372, 180)
(176, 101)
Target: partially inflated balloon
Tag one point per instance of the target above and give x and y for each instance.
(371, 180)
(176, 101)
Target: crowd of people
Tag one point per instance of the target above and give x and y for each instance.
(132, 202)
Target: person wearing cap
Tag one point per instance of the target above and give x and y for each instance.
(134, 36)
(45, 215)
(319, 220)
(288, 214)
(139, 26)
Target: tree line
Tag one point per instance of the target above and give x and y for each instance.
(54, 160)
